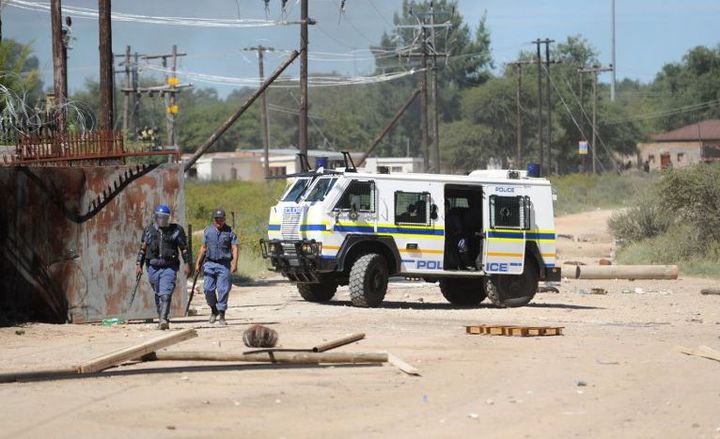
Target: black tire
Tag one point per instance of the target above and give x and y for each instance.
(463, 292)
(368, 281)
(512, 291)
(317, 292)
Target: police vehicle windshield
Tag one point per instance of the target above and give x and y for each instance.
(320, 189)
(297, 189)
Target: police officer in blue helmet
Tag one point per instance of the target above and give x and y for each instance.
(163, 244)
(220, 252)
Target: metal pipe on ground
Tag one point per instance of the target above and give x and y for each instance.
(228, 123)
(271, 357)
(667, 272)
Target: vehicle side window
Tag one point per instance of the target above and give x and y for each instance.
(358, 193)
(411, 207)
(510, 212)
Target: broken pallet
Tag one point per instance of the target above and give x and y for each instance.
(514, 330)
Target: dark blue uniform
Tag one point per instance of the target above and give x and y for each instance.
(216, 271)
(162, 258)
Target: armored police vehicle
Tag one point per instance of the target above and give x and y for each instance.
(487, 234)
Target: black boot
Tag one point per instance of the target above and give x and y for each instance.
(213, 315)
(221, 319)
(164, 323)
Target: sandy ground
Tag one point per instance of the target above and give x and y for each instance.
(615, 373)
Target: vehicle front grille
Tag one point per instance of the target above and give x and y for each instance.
(290, 227)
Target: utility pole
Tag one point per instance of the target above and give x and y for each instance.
(612, 51)
(136, 95)
(126, 95)
(264, 117)
(436, 102)
(59, 64)
(594, 70)
(169, 91)
(106, 66)
(549, 103)
(424, 140)
(303, 122)
(538, 60)
(518, 156)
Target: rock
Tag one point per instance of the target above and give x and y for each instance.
(604, 262)
(473, 416)
(581, 384)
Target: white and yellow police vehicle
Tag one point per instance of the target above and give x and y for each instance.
(487, 234)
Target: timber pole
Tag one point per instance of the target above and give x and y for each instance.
(59, 68)
(303, 122)
(228, 123)
(106, 66)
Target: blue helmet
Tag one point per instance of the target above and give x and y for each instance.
(162, 209)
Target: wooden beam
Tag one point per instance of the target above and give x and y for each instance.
(271, 357)
(109, 360)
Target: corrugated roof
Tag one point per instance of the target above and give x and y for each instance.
(705, 130)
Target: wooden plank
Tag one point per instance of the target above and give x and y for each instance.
(109, 360)
(402, 365)
(701, 351)
(339, 342)
(42, 374)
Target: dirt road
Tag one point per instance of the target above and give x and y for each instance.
(615, 373)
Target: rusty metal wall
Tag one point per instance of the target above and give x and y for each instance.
(69, 237)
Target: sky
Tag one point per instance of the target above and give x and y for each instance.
(649, 33)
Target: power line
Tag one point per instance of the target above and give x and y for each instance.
(88, 13)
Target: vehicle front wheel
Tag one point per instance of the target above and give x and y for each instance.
(368, 281)
(512, 291)
(317, 292)
(463, 292)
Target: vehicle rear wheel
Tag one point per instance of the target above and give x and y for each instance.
(463, 292)
(368, 280)
(512, 291)
(317, 292)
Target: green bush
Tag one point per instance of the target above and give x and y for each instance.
(645, 219)
(675, 222)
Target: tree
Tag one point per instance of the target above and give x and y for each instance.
(20, 87)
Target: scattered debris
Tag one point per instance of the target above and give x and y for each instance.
(600, 291)
(710, 291)
(573, 263)
(604, 262)
(581, 384)
(402, 365)
(258, 336)
(520, 331)
(105, 361)
(547, 289)
(614, 363)
(19, 331)
(473, 416)
(701, 351)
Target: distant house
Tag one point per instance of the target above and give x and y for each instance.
(394, 164)
(696, 143)
(249, 165)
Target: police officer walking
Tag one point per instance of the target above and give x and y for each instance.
(220, 252)
(161, 242)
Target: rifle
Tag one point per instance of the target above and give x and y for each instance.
(134, 291)
(192, 290)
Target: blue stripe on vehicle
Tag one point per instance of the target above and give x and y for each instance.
(408, 261)
(363, 229)
(313, 227)
(517, 235)
(550, 265)
(410, 231)
(540, 236)
(327, 257)
(516, 264)
(274, 227)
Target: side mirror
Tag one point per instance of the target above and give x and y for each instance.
(433, 212)
(353, 215)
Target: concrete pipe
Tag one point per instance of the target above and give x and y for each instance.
(626, 272)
